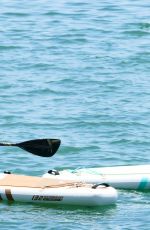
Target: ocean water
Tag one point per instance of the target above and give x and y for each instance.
(78, 71)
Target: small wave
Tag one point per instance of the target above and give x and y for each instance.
(137, 29)
(131, 142)
(9, 47)
(137, 33)
(56, 13)
(144, 25)
(16, 14)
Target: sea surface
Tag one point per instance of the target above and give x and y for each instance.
(78, 71)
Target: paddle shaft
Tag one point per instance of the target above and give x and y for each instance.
(7, 144)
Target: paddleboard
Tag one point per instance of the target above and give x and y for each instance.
(54, 191)
(135, 177)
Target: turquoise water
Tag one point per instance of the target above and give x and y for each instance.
(78, 71)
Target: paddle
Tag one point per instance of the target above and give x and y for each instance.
(40, 147)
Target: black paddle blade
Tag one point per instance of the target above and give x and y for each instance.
(41, 147)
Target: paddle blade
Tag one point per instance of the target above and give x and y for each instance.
(41, 147)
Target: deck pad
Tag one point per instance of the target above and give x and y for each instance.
(37, 182)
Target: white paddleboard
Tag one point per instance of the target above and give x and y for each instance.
(123, 177)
